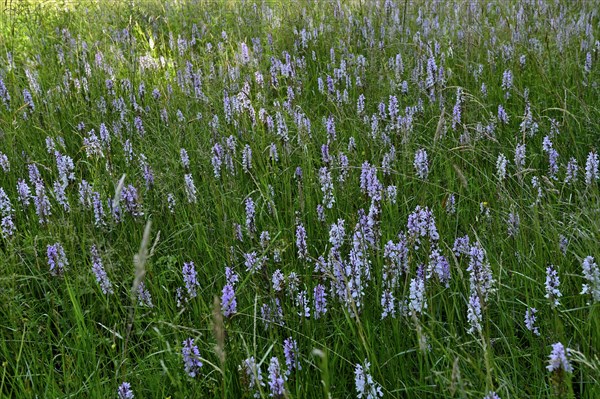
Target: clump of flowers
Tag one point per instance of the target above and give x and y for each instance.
(276, 378)
(552, 283)
(559, 366)
(366, 387)
(591, 273)
(558, 359)
(100, 273)
(228, 300)
(530, 320)
(253, 375)
(421, 164)
(191, 357)
(125, 391)
(57, 260)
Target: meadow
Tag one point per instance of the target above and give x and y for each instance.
(300, 199)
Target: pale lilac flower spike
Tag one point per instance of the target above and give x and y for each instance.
(125, 391)
(558, 359)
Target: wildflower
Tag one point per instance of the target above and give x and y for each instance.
(34, 174)
(513, 224)
(520, 151)
(501, 167)
(190, 278)
(530, 320)
(563, 244)
(24, 192)
(228, 300)
(191, 357)
(302, 303)
(502, 115)
(337, 234)
(247, 158)
(114, 209)
(5, 205)
(587, 66)
(591, 273)
(273, 155)
(396, 257)
(456, 111)
(93, 147)
(100, 273)
(293, 282)
(7, 226)
(320, 298)
(250, 214)
(481, 278)
(421, 164)
(417, 301)
(277, 280)
(104, 134)
(365, 384)
(64, 164)
(128, 151)
(290, 351)
(254, 375)
(558, 359)
(4, 94)
(147, 172)
(326, 187)
(143, 295)
(320, 213)
(265, 239)
(351, 144)
(474, 313)
(369, 183)
(231, 277)
(552, 284)
(57, 260)
(185, 159)
(42, 203)
(139, 126)
(461, 246)
(237, 228)
(129, 194)
(125, 391)
(301, 242)
(252, 262)
(439, 265)
(276, 379)
(421, 223)
(61, 196)
(391, 193)
(572, 170)
(431, 72)
(591, 168)
(190, 188)
(4, 163)
(360, 104)
(28, 100)
(507, 82)
(171, 202)
(272, 313)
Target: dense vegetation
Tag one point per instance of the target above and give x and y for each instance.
(300, 199)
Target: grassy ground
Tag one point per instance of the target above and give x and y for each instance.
(96, 71)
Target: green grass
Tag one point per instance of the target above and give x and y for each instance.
(62, 337)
